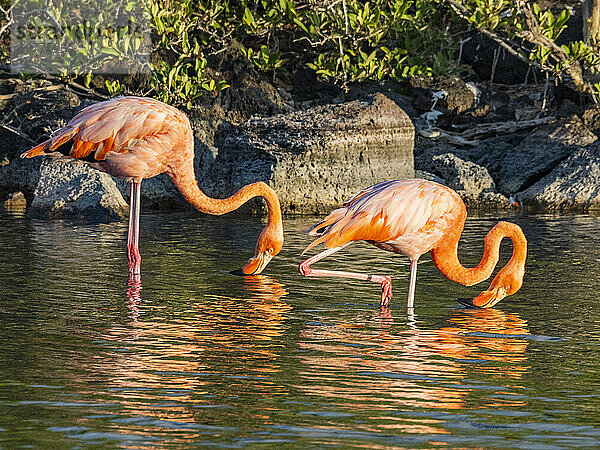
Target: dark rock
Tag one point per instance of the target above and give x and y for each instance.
(564, 92)
(316, 159)
(20, 175)
(72, 190)
(485, 201)
(499, 103)
(463, 175)
(423, 174)
(249, 94)
(516, 168)
(425, 154)
(517, 102)
(404, 102)
(392, 89)
(567, 109)
(480, 201)
(37, 113)
(471, 181)
(448, 94)
(591, 118)
(574, 185)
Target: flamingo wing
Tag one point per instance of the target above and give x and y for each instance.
(402, 212)
(111, 126)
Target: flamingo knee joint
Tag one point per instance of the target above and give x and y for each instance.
(304, 269)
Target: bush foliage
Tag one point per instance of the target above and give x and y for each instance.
(342, 41)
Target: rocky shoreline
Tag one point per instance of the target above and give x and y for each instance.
(316, 147)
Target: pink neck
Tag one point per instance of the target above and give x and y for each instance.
(445, 255)
(188, 186)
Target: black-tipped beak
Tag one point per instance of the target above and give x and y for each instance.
(255, 265)
(467, 302)
(238, 272)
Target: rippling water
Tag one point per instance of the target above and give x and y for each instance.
(196, 356)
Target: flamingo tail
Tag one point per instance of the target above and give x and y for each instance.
(64, 135)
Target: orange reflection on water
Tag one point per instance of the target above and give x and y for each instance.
(417, 368)
(181, 357)
(494, 336)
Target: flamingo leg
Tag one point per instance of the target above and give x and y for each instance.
(412, 283)
(133, 252)
(134, 295)
(384, 281)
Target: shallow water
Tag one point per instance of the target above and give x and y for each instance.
(196, 356)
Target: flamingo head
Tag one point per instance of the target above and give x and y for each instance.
(507, 282)
(268, 245)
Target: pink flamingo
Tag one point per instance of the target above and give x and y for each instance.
(413, 217)
(136, 138)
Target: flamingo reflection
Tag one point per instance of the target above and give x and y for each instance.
(134, 295)
(187, 351)
(414, 367)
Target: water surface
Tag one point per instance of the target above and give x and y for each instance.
(196, 356)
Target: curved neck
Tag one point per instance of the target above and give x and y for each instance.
(187, 184)
(445, 255)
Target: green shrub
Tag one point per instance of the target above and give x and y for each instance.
(343, 41)
(53, 38)
(531, 33)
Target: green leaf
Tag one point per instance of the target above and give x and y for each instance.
(110, 51)
(248, 18)
(301, 25)
(563, 17)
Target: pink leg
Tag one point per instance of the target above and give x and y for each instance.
(412, 283)
(384, 281)
(133, 251)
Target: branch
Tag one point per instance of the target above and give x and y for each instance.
(572, 70)
(471, 136)
(462, 12)
(8, 14)
(536, 37)
(17, 132)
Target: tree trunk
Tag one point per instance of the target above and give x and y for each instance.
(591, 20)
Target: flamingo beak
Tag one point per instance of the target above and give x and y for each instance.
(486, 299)
(255, 265)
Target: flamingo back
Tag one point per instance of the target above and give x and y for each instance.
(126, 136)
(408, 216)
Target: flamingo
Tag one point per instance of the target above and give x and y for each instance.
(412, 217)
(136, 138)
